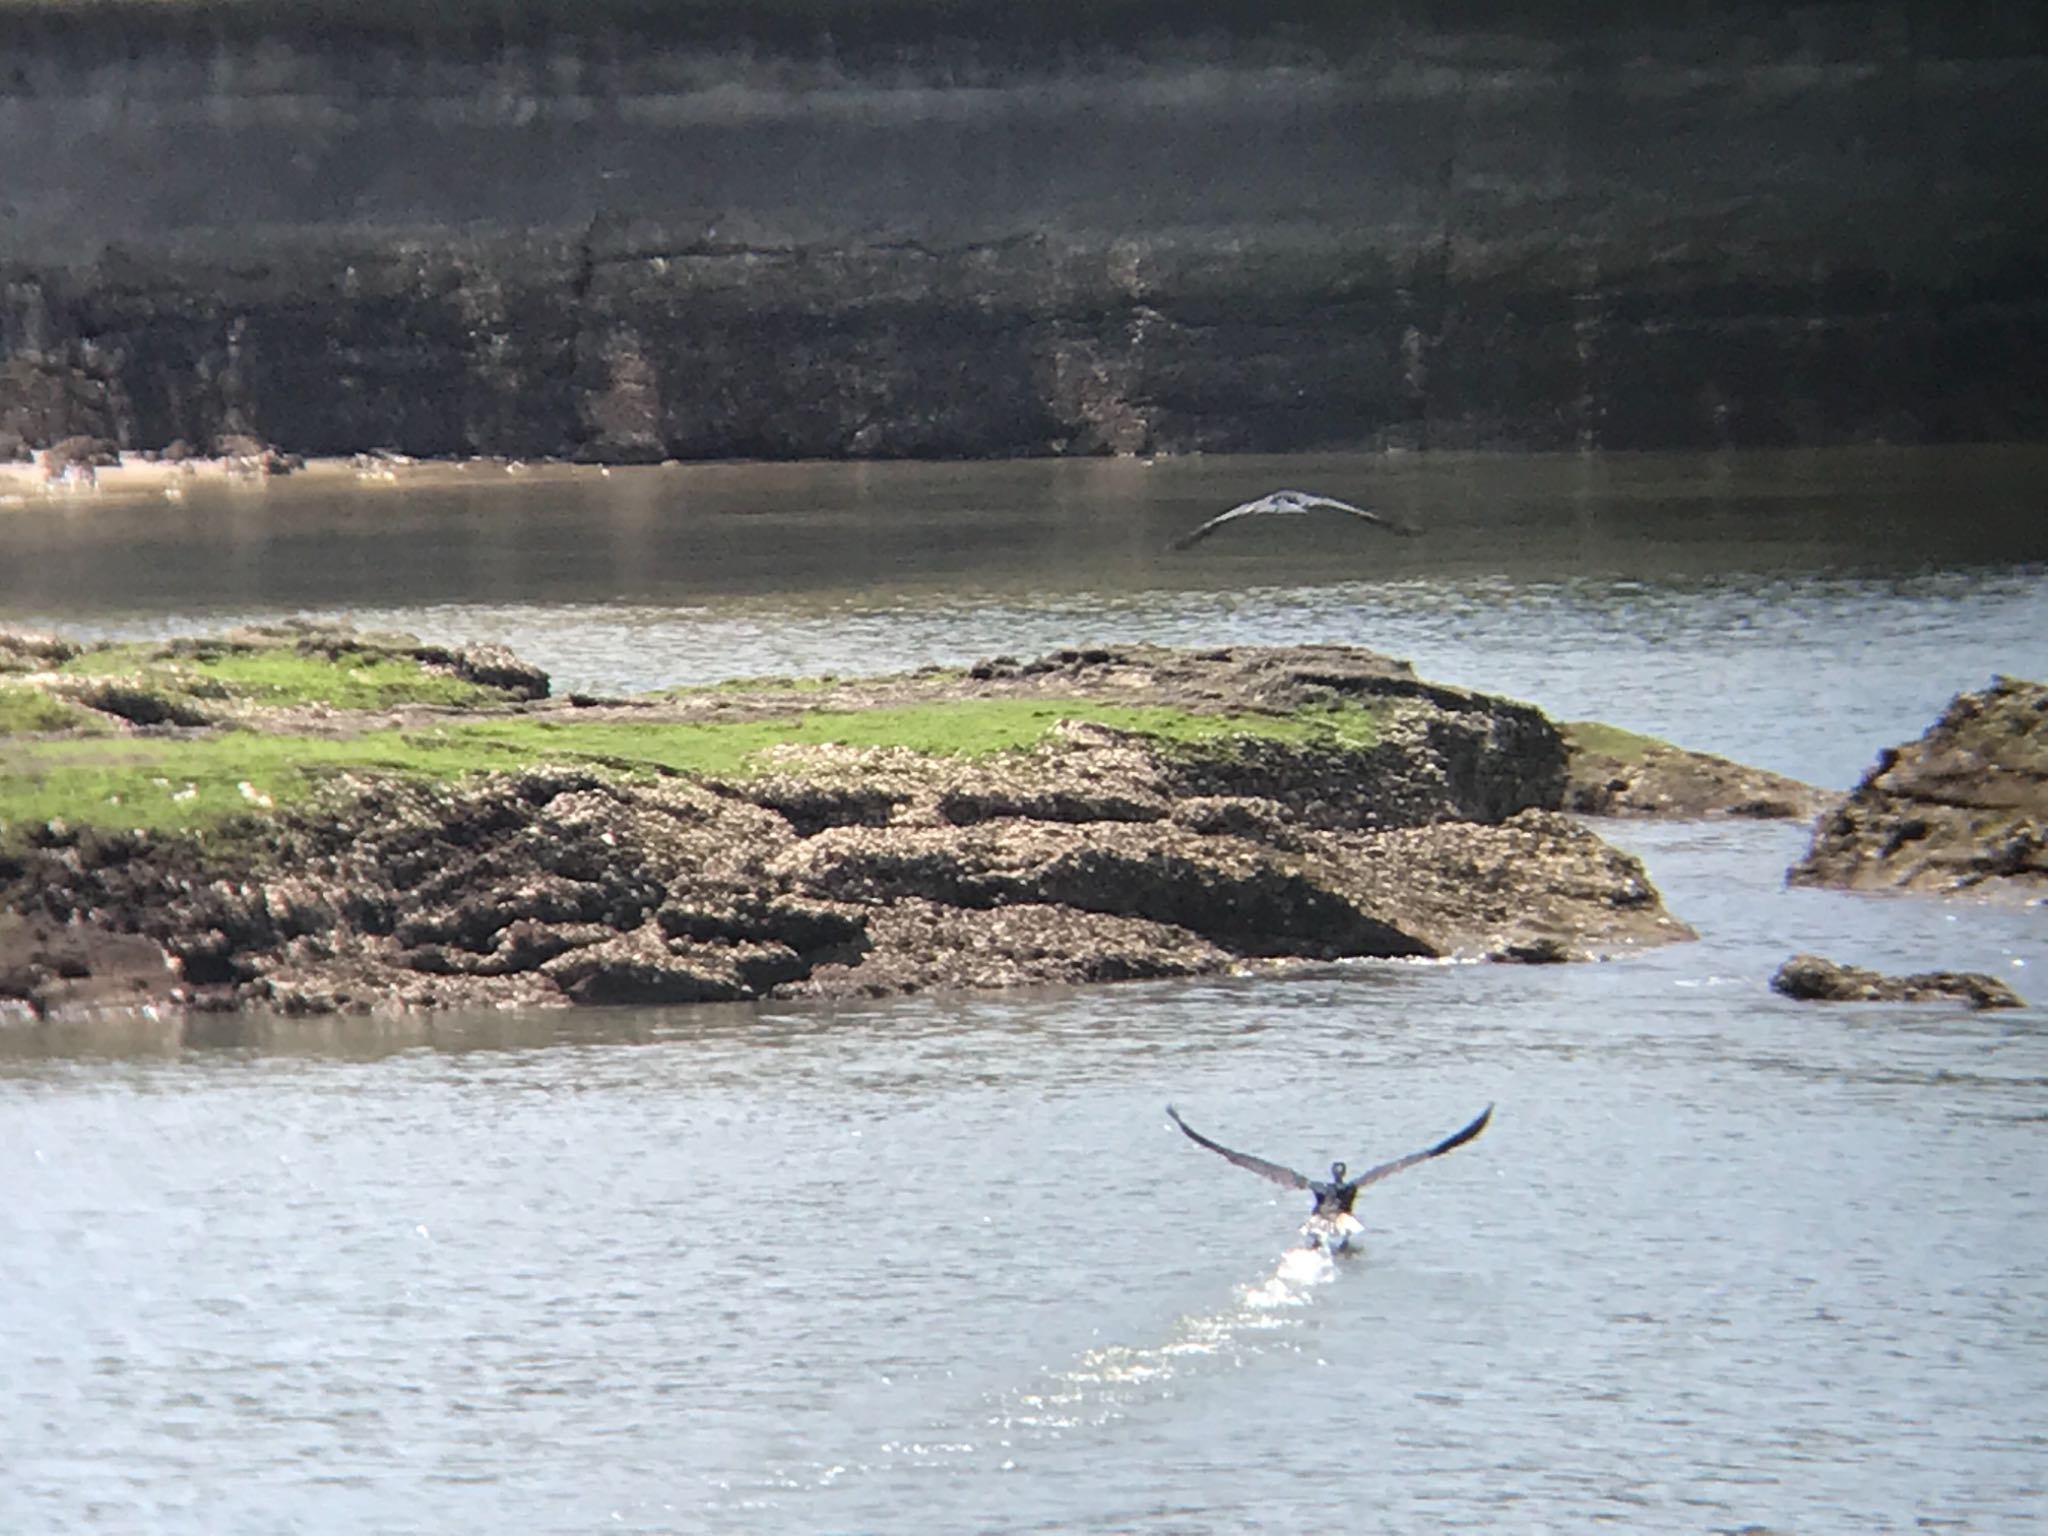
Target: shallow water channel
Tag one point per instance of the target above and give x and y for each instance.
(941, 1263)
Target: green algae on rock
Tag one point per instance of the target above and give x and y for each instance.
(1092, 815)
(30, 711)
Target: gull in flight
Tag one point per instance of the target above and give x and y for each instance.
(1331, 1223)
(1289, 504)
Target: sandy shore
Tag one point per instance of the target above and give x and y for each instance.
(28, 483)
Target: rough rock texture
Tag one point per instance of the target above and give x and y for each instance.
(78, 967)
(1667, 783)
(618, 231)
(1963, 809)
(1100, 855)
(1809, 978)
(146, 700)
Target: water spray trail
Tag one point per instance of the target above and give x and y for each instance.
(1106, 1383)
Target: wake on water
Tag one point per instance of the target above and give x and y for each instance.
(1109, 1382)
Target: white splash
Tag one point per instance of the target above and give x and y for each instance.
(1105, 1383)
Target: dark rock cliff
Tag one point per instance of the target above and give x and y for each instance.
(797, 230)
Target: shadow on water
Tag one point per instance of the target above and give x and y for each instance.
(930, 1035)
(169, 1035)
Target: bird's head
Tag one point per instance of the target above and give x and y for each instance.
(1336, 1173)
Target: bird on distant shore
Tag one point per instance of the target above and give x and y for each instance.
(1289, 504)
(1331, 1223)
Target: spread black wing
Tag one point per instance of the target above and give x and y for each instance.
(1258, 1165)
(1448, 1144)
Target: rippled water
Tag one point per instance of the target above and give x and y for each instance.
(941, 1263)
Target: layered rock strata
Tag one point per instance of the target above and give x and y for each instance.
(620, 232)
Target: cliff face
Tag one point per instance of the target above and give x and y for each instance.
(1735, 230)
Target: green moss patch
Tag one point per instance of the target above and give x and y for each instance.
(182, 783)
(26, 711)
(188, 782)
(765, 684)
(277, 676)
(953, 728)
(1597, 740)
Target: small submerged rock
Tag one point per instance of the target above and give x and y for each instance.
(1810, 978)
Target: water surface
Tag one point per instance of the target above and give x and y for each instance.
(941, 1264)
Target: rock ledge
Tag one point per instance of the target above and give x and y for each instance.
(1809, 978)
(1963, 809)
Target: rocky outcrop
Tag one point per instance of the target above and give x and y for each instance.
(1275, 807)
(194, 681)
(1809, 978)
(1963, 809)
(1618, 773)
(78, 967)
(555, 887)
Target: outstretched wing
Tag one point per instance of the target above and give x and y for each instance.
(1290, 502)
(1242, 509)
(1448, 1144)
(1377, 519)
(1258, 1165)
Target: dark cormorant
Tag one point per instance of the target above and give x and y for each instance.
(1288, 504)
(1334, 1197)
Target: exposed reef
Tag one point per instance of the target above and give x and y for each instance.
(1619, 773)
(1962, 810)
(315, 820)
(1809, 978)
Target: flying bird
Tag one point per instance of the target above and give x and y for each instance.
(1289, 504)
(1333, 1196)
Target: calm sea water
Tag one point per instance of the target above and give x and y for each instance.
(941, 1263)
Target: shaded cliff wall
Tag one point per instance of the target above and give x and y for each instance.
(772, 231)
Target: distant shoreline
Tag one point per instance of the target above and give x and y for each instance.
(26, 483)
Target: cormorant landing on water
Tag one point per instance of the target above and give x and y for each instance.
(1289, 504)
(1333, 1198)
